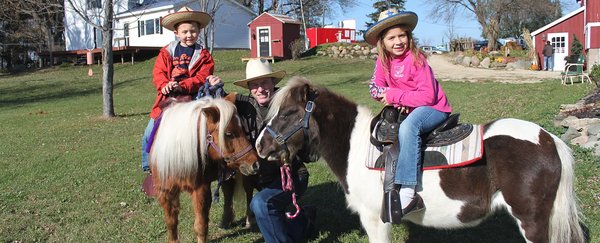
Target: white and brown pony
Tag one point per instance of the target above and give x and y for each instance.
(193, 142)
(524, 169)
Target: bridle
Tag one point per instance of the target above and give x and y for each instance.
(233, 158)
(303, 125)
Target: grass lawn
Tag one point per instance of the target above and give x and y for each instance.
(69, 175)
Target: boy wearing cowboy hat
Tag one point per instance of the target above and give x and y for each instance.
(270, 203)
(404, 79)
(181, 67)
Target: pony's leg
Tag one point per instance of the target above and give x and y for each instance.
(375, 228)
(169, 200)
(249, 182)
(202, 200)
(227, 187)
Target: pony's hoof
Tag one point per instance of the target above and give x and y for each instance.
(148, 186)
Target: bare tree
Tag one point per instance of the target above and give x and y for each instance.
(488, 14)
(26, 22)
(106, 16)
(208, 33)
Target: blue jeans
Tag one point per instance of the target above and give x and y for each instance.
(549, 63)
(421, 120)
(269, 206)
(145, 164)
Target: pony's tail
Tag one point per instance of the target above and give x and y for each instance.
(565, 218)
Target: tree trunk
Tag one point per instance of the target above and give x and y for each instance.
(107, 61)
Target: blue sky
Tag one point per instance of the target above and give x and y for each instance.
(428, 31)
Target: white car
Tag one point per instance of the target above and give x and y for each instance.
(432, 50)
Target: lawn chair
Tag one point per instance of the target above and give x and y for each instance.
(574, 70)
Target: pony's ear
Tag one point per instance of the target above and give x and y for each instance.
(230, 97)
(309, 93)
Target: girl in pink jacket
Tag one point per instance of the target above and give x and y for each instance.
(403, 78)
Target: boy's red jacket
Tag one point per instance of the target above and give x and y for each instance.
(200, 67)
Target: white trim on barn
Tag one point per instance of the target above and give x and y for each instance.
(555, 22)
(258, 38)
(587, 30)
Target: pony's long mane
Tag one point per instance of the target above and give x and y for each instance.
(182, 133)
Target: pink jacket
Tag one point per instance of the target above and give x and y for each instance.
(408, 84)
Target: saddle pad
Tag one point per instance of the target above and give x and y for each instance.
(461, 153)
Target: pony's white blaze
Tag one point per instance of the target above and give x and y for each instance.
(515, 128)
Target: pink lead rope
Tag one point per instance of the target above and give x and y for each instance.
(287, 184)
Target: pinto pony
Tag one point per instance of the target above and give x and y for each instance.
(193, 142)
(524, 169)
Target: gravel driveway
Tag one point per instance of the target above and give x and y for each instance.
(445, 70)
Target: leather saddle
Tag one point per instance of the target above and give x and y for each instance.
(384, 129)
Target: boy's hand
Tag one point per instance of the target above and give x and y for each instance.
(170, 87)
(213, 80)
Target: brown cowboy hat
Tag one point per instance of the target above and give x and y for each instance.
(389, 18)
(257, 69)
(185, 14)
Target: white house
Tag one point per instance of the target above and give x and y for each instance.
(137, 24)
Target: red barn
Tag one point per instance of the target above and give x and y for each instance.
(584, 23)
(271, 35)
(317, 36)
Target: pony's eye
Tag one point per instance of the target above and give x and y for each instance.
(229, 134)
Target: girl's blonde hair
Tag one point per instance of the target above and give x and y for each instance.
(386, 58)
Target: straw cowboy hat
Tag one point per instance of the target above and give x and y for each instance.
(389, 18)
(185, 14)
(258, 69)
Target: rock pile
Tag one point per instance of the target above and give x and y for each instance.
(584, 132)
(349, 51)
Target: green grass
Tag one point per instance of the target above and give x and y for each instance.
(66, 174)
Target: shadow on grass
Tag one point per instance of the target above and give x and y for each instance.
(499, 228)
(333, 218)
(54, 90)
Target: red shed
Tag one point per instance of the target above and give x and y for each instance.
(271, 35)
(317, 36)
(584, 23)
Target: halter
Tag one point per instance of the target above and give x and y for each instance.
(302, 124)
(235, 157)
(285, 169)
(222, 169)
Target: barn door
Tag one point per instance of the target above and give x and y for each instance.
(560, 43)
(264, 41)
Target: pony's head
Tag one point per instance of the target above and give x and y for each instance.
(193, 134)
(222, 136)
(291, 130)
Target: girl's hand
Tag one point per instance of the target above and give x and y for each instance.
(213, 80)
(382, 98)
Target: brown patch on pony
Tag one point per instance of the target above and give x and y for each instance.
(334, 121)
(531, 202)
(170, 100)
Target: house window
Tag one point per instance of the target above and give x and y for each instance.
(149, 27)
(126, 30)
(92, 4)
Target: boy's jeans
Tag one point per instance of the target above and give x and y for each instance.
(145, 165)
(421, 120)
